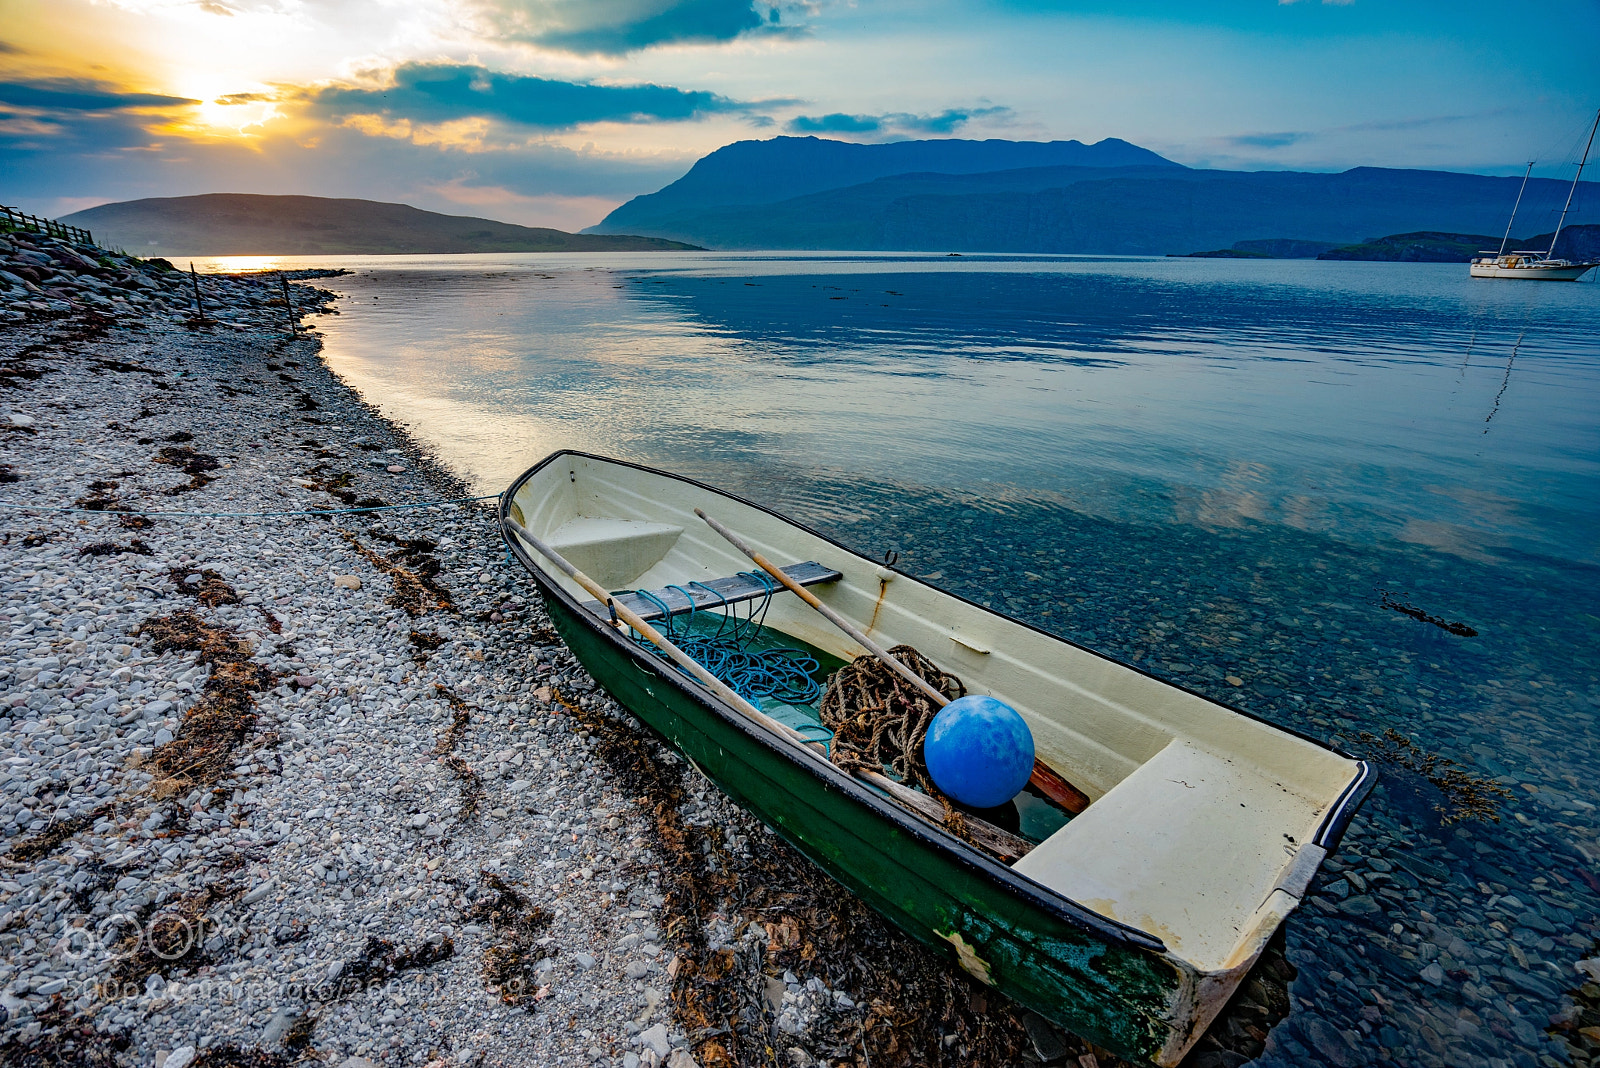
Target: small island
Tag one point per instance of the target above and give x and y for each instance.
(246, 224)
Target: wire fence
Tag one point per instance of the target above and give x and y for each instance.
(13, 219)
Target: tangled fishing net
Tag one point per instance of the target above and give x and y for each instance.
(729, 652)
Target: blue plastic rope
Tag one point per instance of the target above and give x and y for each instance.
(247, 515)
(782, 674)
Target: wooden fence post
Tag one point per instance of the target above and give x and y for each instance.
(287, 307)
(199, 306)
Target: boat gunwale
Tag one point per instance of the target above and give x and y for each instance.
(1329, 832)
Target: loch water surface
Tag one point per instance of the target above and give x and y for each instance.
(1350, 498)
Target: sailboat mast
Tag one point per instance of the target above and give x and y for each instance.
(1514, 208)
(1574, 188)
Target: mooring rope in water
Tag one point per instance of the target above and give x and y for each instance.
(8, 506)
(781, 674)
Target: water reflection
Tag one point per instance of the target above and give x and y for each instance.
(1132, 389)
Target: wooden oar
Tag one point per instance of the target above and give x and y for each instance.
(1003, 844)
(1045, 778)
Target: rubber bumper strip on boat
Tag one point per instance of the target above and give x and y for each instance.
(1331, 833)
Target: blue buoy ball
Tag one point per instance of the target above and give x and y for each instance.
(979, 751)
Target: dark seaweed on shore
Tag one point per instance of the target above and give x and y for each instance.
(413, 572)
(111, 548)
(204, 585)
(509, 966)
(201, 752)
(58, 1038)
(41, 844)
(445, 749)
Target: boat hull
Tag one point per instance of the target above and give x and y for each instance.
(1533, 272)
(1117, 994)
(1112, 983)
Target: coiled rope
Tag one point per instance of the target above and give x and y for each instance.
(879, 721)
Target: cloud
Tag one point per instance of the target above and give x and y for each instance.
(538, 184)
(1267, 140)
(837, 122)
(893, 122)
(615, 27)
(445, 92)
(81, 94)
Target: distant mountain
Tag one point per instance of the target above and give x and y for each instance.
(1427, 246)
(1577, 243)
(221, 224)
(1269, 248)
(1110, 197)
(766, 172)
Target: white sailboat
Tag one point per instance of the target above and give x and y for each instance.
(1537, 265)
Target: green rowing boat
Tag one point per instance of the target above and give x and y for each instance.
(1130, 924)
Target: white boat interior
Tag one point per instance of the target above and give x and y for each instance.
(1200, 828)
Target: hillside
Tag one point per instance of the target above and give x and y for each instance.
(1577, 243)
(1106, 198)
(220, 224)
(766, 172)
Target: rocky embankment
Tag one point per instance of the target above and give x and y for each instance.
(47, 278)
(328, 787)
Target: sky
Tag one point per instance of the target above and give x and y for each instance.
(552, 112)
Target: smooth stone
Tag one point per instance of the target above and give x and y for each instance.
(1534, 921)
(259, 892)
(1048, 1041)
(181, 1057)
(654, 1038)
(1530, 984)
(1360, 906)
(1329, 1042)
(279, 1025)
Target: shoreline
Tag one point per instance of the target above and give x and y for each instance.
(297, 842)
(398, 824)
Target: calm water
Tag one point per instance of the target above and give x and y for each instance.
(1218, 469)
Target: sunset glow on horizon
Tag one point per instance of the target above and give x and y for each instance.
(551, 111)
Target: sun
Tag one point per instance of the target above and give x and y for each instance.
(228, 109)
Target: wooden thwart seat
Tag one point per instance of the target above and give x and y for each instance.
(713, 593)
